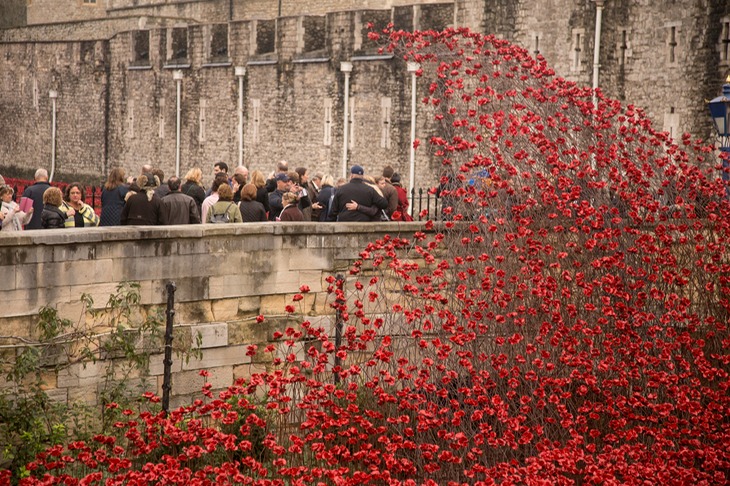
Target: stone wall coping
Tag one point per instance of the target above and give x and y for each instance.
(136, 233)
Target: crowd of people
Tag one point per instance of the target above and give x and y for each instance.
(149, 199)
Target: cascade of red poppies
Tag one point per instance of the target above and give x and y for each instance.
(566, 323)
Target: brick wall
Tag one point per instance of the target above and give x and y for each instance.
(225, 277)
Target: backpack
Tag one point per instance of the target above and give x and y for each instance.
(222, 217)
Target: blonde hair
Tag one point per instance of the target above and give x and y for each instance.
(195, 175)
(288, 198)
(53, 196)
(328, 180)
(257, 179)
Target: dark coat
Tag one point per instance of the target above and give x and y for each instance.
(355, 190)
(141, 211)
(195, 191)
(262, 196)
(52, 217)
(252, 211)
(35, 192)
(323, 198)
(178, 208)
(276, 206)
(112, 203)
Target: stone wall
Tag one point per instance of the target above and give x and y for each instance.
(666, 60)
(226, 275)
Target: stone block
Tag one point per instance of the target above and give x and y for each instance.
(230, 286)
(309, 259)
(249, 305)
(216, 357)
(211, 335)
(190, 382)
(193, 312)
(273, 304)
(157, 364)
(311, 278)
(21, 326)
(191, 289)
(225, 309)
(57, 395)
(82, 374)
(246, 371)
(86, 394)
(249, 331)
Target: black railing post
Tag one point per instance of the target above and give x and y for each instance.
(340, 301)
(167, 374)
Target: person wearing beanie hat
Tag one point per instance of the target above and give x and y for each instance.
(358, 193)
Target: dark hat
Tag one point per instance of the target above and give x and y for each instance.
(356, 169)
(395, 178)
(282, 177)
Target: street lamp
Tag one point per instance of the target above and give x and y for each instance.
(240, 72)
(177, 75)
(345, 67)
(53, 94)
(720, 112)
(413, 68)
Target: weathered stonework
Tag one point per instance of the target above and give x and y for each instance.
(117, 96)
(225, 277)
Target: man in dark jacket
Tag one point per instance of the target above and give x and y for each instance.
(35, 192)
(276, 205)
(176, 207)
(143, 208)
(356, 190)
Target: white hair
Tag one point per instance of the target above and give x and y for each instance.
(41, 175)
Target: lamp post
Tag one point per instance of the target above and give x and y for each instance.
(53, 94)
(177, 75)
(720, 112)
(345, 67)
(240, 73)
(412, 67)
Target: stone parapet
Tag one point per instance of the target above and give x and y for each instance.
(225, 276)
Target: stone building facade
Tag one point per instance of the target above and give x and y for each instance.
(113, 64)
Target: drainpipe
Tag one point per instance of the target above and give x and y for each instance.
(240, 73)
(412, 68)
(177, 75)
(597, 48)
(345, 67)
(53, 94)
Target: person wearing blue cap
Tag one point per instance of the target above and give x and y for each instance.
(357, 192)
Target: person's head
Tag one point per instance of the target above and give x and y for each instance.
(283, 183)
(257, 179)
(303, 176)
(53, 197)
(220, 179)
(288, 198)
(328, 180)
(395, 179)
(225, 193)
(282, 166)
(293, 176)
(157, 172)
(248, 192)
(317, 178)
(41, 175)
(357, 172)
(381, 181)
(147, 181)
(388, 171)
(239, 179)
(6, 193)
(220, 167)
(173, 183)
(74, 193)
(241, 170)
(341, 182)
(115, 178)
(195, 175)
(147, 169)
